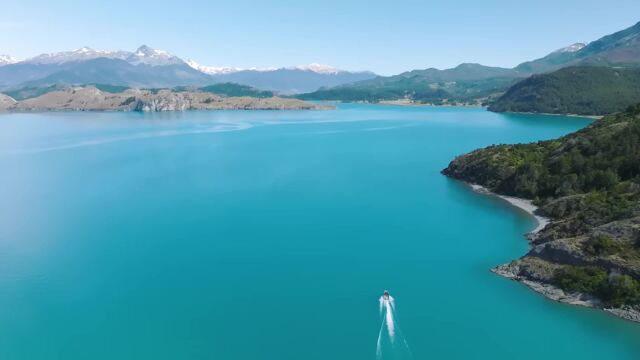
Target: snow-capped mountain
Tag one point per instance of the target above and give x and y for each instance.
(153, 57)
(571, 48)
(552, 61)
(143, 55)
(82, 54)
(213, 70)
(148, 67)
(262, 69)
(286, 80)
(7, 59)
(318, 68)
(292, 80)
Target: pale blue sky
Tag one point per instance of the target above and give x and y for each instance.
(387, 37)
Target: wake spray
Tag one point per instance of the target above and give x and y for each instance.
(391, 344)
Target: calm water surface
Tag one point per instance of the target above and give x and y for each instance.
(270, 235)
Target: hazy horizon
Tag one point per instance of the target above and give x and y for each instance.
(384, 38)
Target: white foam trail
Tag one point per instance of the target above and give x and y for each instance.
(144, 135)
(379, 344)
(391, 344)
(217, 127)
(391, 328)
(386, 310)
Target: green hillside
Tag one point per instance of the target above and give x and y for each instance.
(465, 83)
(478, 83)
(584, 90)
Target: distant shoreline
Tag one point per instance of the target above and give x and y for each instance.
(594, 117)
(62, 111)
(463, 105)
(405, 102)
(418, 104)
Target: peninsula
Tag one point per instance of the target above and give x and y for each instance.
(588, 185)
(90, 98)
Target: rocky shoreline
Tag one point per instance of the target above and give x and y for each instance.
(522, 270)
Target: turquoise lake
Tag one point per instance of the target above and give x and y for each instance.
(270, 235)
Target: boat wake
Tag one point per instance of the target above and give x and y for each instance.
(391, 344)
(139, 136)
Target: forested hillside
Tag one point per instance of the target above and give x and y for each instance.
(583, 90)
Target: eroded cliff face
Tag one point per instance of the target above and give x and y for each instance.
(90, 98)
(6, 102)
(588, 184)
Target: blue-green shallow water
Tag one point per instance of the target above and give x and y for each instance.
(270, 235)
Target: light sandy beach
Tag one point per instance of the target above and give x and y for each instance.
(523, 204)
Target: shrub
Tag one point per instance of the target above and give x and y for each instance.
(620, 290)
(580, 279)
(601, 245)
(613, 289)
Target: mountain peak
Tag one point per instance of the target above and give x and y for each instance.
(7, 59)
(145, 50)
(469, 66)
(150, 56)
(571, 48)
(83, 50)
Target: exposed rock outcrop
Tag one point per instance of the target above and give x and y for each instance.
(6, 102)
(89, 98)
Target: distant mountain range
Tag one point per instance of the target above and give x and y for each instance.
(151, 68)
(467, 83)
(475, 82)
(596, 79)
(143, 55)
(552, 61)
